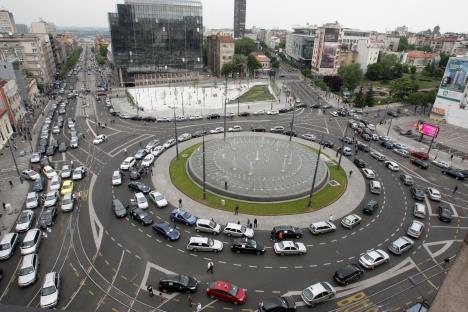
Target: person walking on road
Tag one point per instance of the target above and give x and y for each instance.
(455, 189)
(255, 223)
(237, 210)
(180, 202)
(199, 307)
(210, 267)
(149, 288)
(350, 173)
(11, 183)
(190, 299)
(330, 218)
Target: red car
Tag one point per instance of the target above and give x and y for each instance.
(227, 292)
(420, 155)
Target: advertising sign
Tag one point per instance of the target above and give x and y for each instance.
(455, 78)
(329, 55)
(427, 129)
(331, 35)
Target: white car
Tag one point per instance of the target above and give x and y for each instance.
(259, 112)
(204, 244)
(158, 199)
(195, 117)
(148, 160)
(100, 139)
(116, 178)
(127, 163)
(415, 229)
(66, 172)
(30, 174)
(32, 200)
(184, 137)
(393, 166)
(152, 144)
(67, 202)
(217, 130)
(56, 130)
(169, 143)
(373, 258)
(50, 290)
(79, 173)
(27, 273)
(51, 199)
(377, 155)
(309, 137)
(141, 200)
(35, 158)
(434, 194)
(441, 164)
(401, 152)
(289, 248)
(317, 293)
(208, 226)
(74, 142)
(237, 230)
(322, 227)
(157, 150)
(272, 112)
(24, 221)
(351, 221)
(55, 183)
(419, 210)
(368, 173)
(400, 146)
(371, 127)
(235, 129)
(49, 172)
(8, 245)
(334, 114)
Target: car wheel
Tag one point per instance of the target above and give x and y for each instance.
(236, 302)
(215, 251)
(195, 250)
(258, 253)
(212, 297)
(282, 254)
(229, 234)
(298, 236)
(197, 230)
(238, 251)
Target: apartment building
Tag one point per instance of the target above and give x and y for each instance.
(220, 51)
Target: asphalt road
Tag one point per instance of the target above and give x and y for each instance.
(106, 263)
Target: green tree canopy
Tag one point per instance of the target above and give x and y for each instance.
(359, 98)
(252, 63)
(374, 71)
(245, 46)
(239, 63)
(403, 87)
(227, 69)
(369, 97)
(351, 75)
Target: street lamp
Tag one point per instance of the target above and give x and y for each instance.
(176, 136)
(292, 122)
(309, 204)
(204, 167)
(14, 160)
(342, 145)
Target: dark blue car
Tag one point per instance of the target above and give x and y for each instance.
(182, 216)
(38, 185)
(166, 230)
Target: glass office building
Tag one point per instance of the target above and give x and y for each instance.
(156, 38)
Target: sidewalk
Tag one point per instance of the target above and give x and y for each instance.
(351, 198)
(409, 123)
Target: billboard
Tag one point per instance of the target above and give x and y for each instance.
(427, 129)
(331, 35)
(329, 55)
(455, 79)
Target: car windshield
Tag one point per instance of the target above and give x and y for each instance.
(186, 215)
(158, 197)
(28, 244)
(183, 279)
(5, 246)
(368, 258)
(48, 290)
(66, 201)
(233, 290)
(31, 199)
(50, 197)
(23, 218)
(308, 294)
(26, 271)
(281, 245)
(141, 199)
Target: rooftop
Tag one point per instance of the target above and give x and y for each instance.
(421, 54)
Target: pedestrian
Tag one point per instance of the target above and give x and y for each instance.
(4, 206)
(238, 222)
(151, 169)
(125, 151)
(350, 173)
(225, 185)
(280, 235)
(255, 223)
(330, 218)
(190, 299)
(248, 222)
(199, 307)
(237, 210)
(180, 202)
(446, 262)
(451, 157)
(150, 290)
(455, 189)
(11, 183)
(210, 267)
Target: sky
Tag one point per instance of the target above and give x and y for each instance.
(376, 15)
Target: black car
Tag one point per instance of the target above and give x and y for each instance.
(119, 209)
(246, 245)
(48, 217)
(445, 214)
(136, 117)
(139, 187)
(370, 207)
(419, 163)
(141, 216)
(287, 230)
(417, 193)
(360, 163)
(149, 118)
(454, 173)
(278, 304)
(283, 110)
(166, 230)
(244, 114)
(178, 283)
(135, 173)
(327, 143)
(63, 147)
(198, 133)
(316, 105)
(348, 274)
(258, 129)
(38, 185)
(51, 150)
(392, 113)
(290, 132)
(213, 116)
(387, 144)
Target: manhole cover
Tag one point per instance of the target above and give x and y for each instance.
(333, 183)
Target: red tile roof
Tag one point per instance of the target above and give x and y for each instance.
(226, 39)
(421, 54)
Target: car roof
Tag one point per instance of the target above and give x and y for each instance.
(222, 285)
(198, 239)
(233, 225)
(49, 279)
(317, 288)
(7, 238)
(27, 260)
(320, 223)
(30, 234)
(288, 244)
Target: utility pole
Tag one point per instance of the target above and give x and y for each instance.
(309, 204)
(292, 122)
(204, 167)
(225, 104)
(175, 133)
(389, 126)
(342, 145)
(14, 160)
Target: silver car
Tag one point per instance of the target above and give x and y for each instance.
(68, 202)
(401, 245)
(415, 229)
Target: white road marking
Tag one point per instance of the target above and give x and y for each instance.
(93, 219)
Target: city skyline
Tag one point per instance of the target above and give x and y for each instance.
(416, 15)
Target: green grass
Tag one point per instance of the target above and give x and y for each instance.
(255, 94)
(326, 196)
(423, 81)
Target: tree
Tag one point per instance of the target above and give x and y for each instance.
(416, 98)
(333, 82)
(351, 75)
(397, 71)
(388, 63)
(252, 64)
(227, 69)
(359, 98)
(443, 60)
(403, 87)
(245, 46)
(274, 62)
(369, 98)
(413, 69)
(374, 71)
(239, 63)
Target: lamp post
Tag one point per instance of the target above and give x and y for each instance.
(389, 126)
(292, 122)
(342, 145)
(225, 104)
(309, 204)
(204, 167)
(175, 133)
(14, 160)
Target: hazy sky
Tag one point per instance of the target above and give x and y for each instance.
(362, 14)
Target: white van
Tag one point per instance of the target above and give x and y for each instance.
(375, 187)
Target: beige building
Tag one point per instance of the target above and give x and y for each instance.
(7, 22)
(220, 52)
(326, 54)
(443, 44)
(43, 27)
(6, 129)
(420, 59)
(368, 52)
(347, 57)
(11, 97)
(35, 53)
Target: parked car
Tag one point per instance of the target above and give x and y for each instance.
(419, 210)
(441, 163)
(309, 137)
(8, 244)
(67, 187)
(287, 231)
(68, 202)
(317, 293)
(348, 274)
(226, 291)
(207, 226)
(116, 178)
(360, 163)
(246, 245)
(322, 227)
(417, 193)
(415, 229)
(238, 230)
(118, 208)
(289, 248)
(32, 200)
(370, 207)
(277, 129)
(420, 155)
(182, 216)
(401, 245)
(445, 213)
(178, 283)
(373, 258)
(419, 163)
(141, 216)
(351, 221)
(66, 171)
(47, 218)
(166, 230)
(158, 199)
(100, 139)
(434, 194)
(29, 174)
(454, 173)
(139, 186)
(50, 290)
(368, 173)
(277, 304)
(79, 173)
(198, 243)
(28, 270)
(128, 163)
(407, 179)
(401, 152)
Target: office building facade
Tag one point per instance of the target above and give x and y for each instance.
(240, 10)
(300, 45)
(7, 22)
(155, 41)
